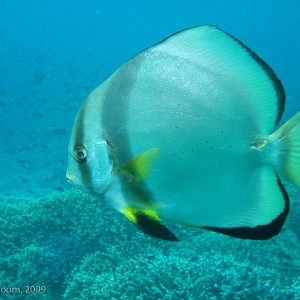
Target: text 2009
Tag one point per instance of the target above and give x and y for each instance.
(35, 289)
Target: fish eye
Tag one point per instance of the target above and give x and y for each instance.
(80, 154)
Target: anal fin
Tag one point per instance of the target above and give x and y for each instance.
(273, 192)
(149, 223)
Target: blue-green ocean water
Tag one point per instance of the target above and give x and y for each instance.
(52, 54)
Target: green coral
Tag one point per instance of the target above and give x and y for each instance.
(207, 267)
(80, 249)
(42, 240)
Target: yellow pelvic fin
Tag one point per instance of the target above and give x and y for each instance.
(149, 222)
(140, 167)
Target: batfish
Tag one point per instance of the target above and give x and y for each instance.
(186, 131)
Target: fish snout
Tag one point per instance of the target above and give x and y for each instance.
(71, 177)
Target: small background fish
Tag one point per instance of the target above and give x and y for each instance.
(47, 68)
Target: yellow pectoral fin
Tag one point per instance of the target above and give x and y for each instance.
(148, 222)
(139, 168)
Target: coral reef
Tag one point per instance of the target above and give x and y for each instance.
(80, 249)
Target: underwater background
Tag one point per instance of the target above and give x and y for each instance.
(52, 55)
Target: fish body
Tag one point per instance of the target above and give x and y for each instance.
(184, 131)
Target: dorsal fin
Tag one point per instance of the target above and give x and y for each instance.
(217, 51)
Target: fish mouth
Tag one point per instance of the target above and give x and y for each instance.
(71, 177)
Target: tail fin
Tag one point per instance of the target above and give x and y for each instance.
(288, 139)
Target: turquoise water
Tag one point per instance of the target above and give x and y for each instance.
(52, 54)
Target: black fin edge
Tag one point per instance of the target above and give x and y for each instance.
(271, 74)
(154, 228)
(261, 232)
